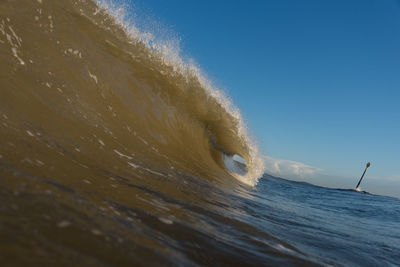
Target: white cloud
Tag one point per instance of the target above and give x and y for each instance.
(298, 171)
(395, 178)
(288, 168)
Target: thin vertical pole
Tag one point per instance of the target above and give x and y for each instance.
(362, 176)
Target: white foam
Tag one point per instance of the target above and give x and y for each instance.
(141, 139)
(133, 165)
(87, 181)
(18, 39)
(94, 77)
(83, 166)
(15, 53)
(63, 224)
(165, 220)
(154, 172)
(122, 155)
(96, 232)
(101, 142)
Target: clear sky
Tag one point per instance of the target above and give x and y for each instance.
(318, 82)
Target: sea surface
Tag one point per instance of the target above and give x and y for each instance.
(115, 151)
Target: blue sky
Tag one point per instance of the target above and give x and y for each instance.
(318, 82)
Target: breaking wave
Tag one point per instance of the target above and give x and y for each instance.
(79, 75)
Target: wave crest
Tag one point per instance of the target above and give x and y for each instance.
(108, 81)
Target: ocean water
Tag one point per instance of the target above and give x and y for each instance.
(116, 152)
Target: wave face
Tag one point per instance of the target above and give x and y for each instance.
(100, 124)
(79, 85)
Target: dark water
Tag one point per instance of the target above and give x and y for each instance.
(278, 223)
(115, 152)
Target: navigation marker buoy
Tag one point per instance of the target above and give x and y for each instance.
(362, 176)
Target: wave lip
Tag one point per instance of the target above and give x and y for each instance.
(208, 105)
